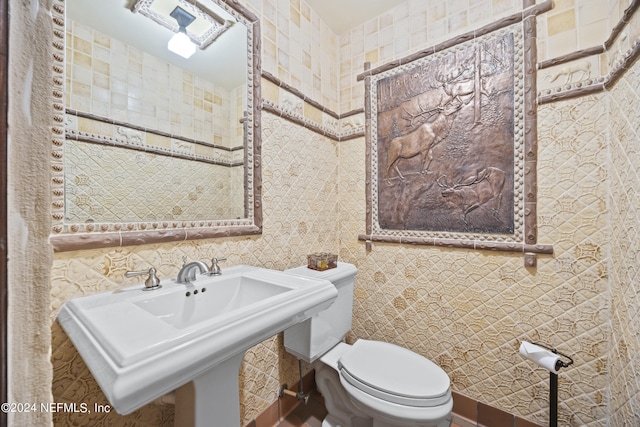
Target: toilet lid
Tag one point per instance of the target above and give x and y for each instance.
(394, 374)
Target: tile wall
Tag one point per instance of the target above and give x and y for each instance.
(624, 205)
(104, 77)
(468, 311)
(111, 79)
(299, 48)
(465, 310)
(94, 190)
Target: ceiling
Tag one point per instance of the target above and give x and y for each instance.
(342, 15)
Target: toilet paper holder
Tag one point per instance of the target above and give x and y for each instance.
(559, 363)
(553, 382)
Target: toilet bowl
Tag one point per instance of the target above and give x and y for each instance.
(368, 383)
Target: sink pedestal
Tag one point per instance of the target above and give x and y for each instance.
(213, 398)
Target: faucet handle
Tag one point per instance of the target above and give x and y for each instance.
(215, 268)
(152, 282)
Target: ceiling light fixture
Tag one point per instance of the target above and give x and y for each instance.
(180, 43)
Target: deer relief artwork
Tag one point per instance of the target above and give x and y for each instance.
(421, 139)
(445, 141)
(485, 186)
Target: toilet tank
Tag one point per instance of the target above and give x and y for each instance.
(315, 336)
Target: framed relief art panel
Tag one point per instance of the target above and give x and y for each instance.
(451, 143)
(446, 141)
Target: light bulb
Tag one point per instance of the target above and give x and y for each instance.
(181, 44)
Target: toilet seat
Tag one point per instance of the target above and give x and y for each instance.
(394, 374)
(396, 414)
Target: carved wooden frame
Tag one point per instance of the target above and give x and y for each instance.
(74, 236)
(524, 238)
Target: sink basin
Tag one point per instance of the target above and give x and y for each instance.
(142, 345)
(230, 292)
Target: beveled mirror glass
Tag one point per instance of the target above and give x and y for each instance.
(149, 146)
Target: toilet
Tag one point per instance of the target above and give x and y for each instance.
(369, 383)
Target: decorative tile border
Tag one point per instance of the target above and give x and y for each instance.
(295, 106)
(273, 79)
(621, 48)
(134, 137)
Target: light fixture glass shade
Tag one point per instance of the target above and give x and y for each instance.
(181, 44)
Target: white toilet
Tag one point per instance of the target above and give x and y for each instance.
(369, 383)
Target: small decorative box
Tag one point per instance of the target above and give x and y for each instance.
(322, 261)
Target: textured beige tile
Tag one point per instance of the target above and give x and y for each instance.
(561, 22)
(562, 43)
(458, 21)
(96, 127)
(372, 56)
(625, 240)
(312, 113)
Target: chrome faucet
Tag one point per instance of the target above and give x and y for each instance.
(152, 281)
(215, 268)
(188, 271)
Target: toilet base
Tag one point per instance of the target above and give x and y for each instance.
(342, 412)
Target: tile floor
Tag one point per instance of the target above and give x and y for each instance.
(309, 415)
(312, 414)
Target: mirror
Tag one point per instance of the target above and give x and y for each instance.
(151, 146)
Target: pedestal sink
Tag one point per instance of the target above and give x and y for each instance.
(187, 337)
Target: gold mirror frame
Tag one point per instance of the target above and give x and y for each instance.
(68, 236)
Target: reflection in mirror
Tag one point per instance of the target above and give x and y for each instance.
(156, 147)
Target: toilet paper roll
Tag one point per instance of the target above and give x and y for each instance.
(540, 356)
